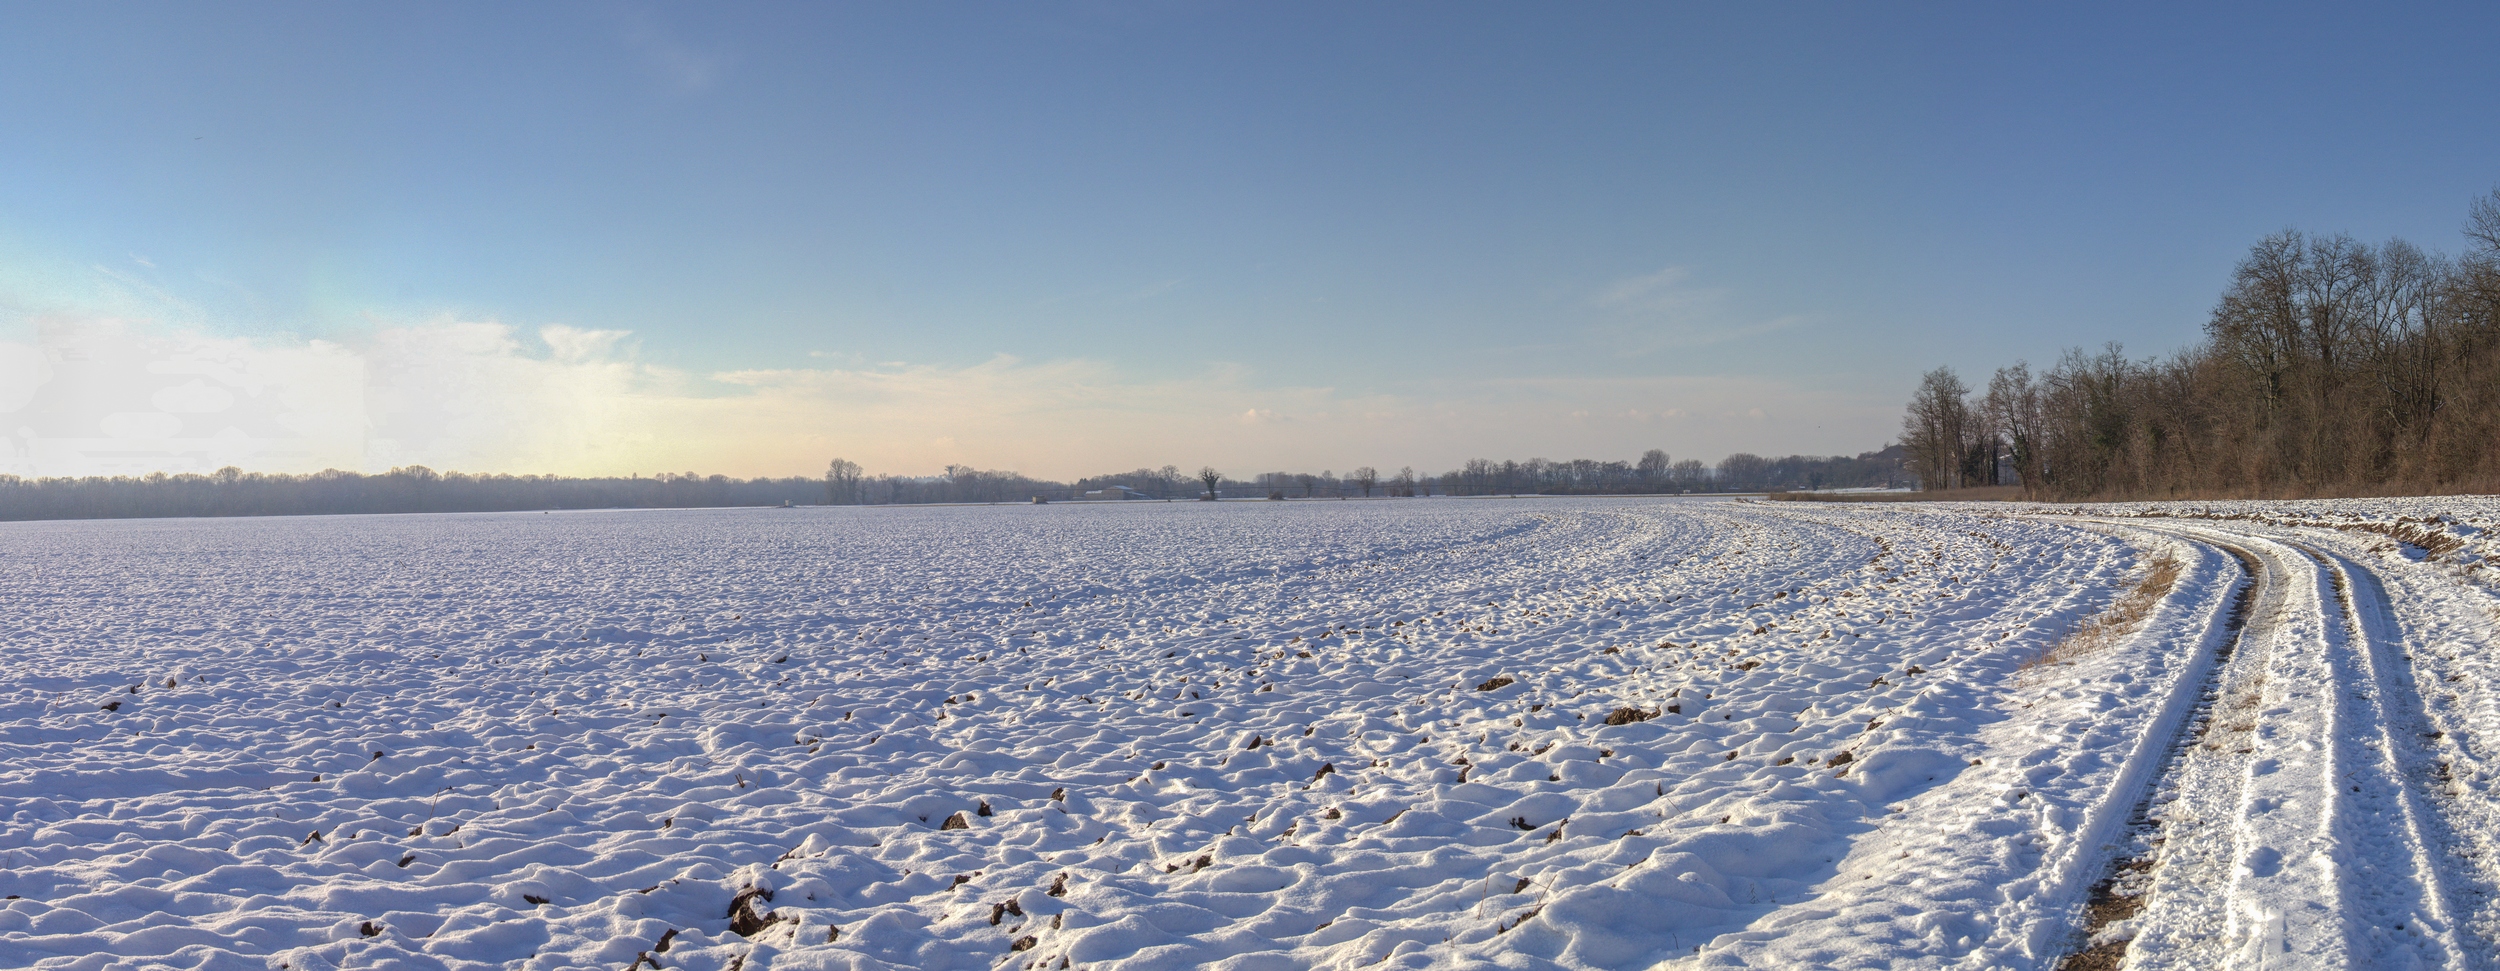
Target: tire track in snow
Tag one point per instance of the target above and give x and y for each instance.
(2275, 843)
(2199, 800)
(2144, 786)
(2395, 764)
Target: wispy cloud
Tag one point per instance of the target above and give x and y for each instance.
(1656, 311)
(683, 67)
(1662, 292)
(574, 344)
(1112, 295)
(128, 289)
(1153, 290)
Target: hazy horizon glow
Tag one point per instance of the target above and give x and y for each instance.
(486, 397)
(1074, 239)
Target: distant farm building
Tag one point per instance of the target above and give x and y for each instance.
(1113, 492)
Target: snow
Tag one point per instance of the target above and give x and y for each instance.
(1246, 735)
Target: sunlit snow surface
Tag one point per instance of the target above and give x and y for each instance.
(1246, 735)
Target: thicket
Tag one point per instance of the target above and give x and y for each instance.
(1655, 473)
(2328, 367)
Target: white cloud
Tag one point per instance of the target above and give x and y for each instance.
(574, 345)
(23, 368)
(105, 396)
(195, 396)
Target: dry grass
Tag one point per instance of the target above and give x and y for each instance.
(2121, 618)
(2392, 489)
(1977, 494)
(2434, 543)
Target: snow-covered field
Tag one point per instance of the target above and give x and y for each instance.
(1519, 733)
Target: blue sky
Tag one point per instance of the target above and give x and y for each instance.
(1068, 238)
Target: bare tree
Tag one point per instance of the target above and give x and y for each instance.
(2013, 409)
(842, 482)
(1743, 472)
(1936, 430)
(2257, 322)
(2326, 366)
(1212, 478)
(1691, 474)
(1653, 467)
(1365, 477)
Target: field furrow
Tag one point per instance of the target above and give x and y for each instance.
(1574, 733)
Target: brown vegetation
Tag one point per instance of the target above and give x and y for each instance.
(2330, 367)
(1972, 494)
(2119, 620)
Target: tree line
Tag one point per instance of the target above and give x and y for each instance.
(1653, 473)
(233, 492)
(2328, 366)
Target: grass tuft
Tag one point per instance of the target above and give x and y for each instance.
(2120, 619)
